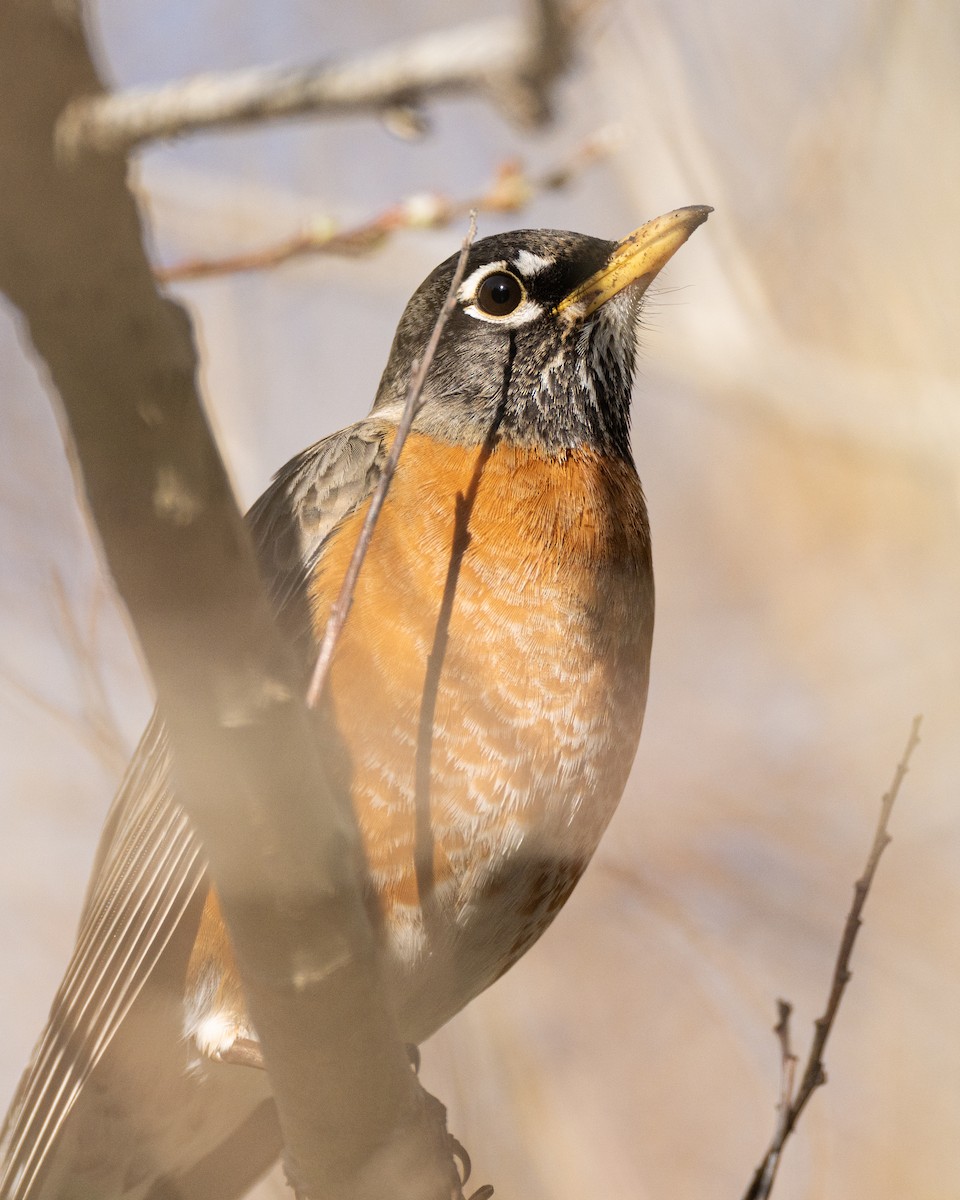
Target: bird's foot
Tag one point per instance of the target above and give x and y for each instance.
(458, 1152)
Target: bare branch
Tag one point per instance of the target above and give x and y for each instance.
(341, 607)
(249, 760)
(511, 189)
(511, 61)
(814, 1074)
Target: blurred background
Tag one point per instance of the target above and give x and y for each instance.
(797, 428)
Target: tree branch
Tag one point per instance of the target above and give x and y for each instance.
(511, 189)
(282, 844)
(814, 1074)
(512, 62)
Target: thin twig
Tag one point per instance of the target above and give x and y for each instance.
(512, 61)
(510, 190)
(788, 1069)
(82, 648)
(788, 1064)
(341, 607)
(94, 726)
(814, 1074)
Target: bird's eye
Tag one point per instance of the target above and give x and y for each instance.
(499, 294)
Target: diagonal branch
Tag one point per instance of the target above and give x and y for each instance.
(510, 190)
(512, 62)
(814, 1074)
(250, 761)
(414, 402)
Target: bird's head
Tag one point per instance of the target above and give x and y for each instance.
(541, 344)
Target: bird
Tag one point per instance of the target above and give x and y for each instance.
(488, 688)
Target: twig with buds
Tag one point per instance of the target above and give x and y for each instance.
(814, 1073)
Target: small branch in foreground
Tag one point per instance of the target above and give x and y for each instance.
(814, 1074)
(341, 607)
(250, 765)
(511, 189)
(512, 61)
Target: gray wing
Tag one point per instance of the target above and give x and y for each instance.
(305, 503)
(149, 864)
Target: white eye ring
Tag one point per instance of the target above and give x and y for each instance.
(479, 302)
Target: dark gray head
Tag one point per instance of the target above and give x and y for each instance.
(541, 345)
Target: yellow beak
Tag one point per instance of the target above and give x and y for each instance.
(636, 260)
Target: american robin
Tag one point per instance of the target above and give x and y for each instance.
(488, 688)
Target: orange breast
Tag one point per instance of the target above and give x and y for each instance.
(489, 686)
